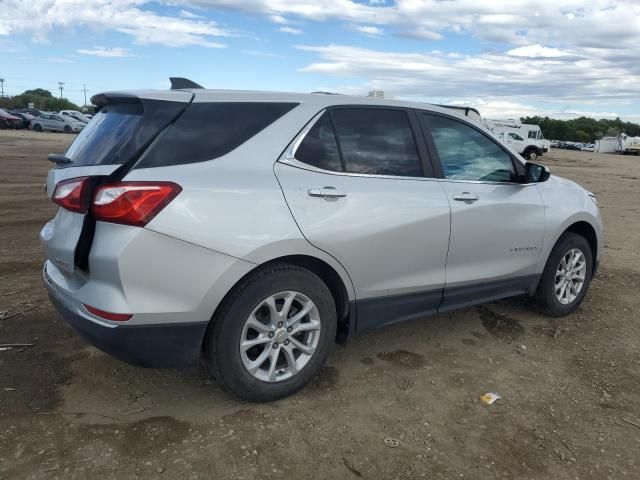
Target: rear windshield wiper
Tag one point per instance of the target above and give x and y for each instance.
(58, 159)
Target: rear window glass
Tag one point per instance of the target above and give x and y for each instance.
(209, 130)
(319, 147)
(100, 141)
(377, 142)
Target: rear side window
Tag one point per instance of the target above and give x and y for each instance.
(209, 130)
(100, 140)
(377, 141)
(319, 147)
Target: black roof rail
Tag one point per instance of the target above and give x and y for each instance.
(459, 107)
(178, 83)
(324, 93)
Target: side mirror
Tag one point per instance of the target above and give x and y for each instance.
(535, 173)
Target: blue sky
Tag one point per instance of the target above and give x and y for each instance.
(561, 58)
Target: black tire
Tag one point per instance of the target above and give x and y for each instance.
(531, 154)
(222, 342)
(68, 129)
(37, 127)
(545, 295)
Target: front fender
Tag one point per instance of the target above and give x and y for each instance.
(566, 204)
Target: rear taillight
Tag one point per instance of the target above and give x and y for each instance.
(72, 194)
(132, 203)
(116, 317)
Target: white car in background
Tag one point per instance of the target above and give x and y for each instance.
(56, 123)
(76, 115)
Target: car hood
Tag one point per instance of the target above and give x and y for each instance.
(9, 117)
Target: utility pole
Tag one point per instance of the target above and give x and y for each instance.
(61, 87)
(2, 87)
(84, 89)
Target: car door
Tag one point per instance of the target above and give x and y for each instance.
(44, 121)
(357, 181)
(497, 221)
(58, 122)
(515, 141)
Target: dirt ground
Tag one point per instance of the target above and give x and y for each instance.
(570, 387)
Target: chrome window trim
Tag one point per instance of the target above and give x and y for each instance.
(288, 158)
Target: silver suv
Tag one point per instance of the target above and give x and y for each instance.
(254, 230)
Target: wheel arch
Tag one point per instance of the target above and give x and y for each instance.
(326, 272)
(586, 230)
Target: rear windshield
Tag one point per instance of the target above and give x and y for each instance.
(209, 130)
(100, 141)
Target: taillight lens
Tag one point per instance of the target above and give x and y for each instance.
(72, 194)
(116, 317)
(132, 203)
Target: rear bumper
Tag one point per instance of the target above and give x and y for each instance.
(154, 345)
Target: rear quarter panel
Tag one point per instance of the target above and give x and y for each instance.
(234, 204)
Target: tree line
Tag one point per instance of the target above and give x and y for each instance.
(42, 100)
(583, 129)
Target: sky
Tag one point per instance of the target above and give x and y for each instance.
(561, 58)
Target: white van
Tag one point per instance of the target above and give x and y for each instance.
(526, 139)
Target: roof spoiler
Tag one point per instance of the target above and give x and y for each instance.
(178, 83)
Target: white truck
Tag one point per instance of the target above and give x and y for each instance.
(526, 139)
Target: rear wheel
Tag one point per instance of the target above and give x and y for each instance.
(272, 334)
(37, 127)
(566, 277)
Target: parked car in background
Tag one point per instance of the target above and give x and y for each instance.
(56, 123)
(7, 120)
(31, 111)
(79, 116)
(25, 117)
(253, 229)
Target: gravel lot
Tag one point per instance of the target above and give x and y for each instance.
(570, 387)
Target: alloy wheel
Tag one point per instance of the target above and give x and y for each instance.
(280, 336)
(570, 276)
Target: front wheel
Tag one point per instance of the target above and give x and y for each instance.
(566, 277)
(272, 334)
(37, 127)
(68, 129)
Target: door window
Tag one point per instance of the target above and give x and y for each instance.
(377, 141)
(515, 136)
(319, 147)
(467, 154)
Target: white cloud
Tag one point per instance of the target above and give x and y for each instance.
(191, 15)
(537, 50)
(368, 30)
(105, 52)
(291, 30)
(420, 33)
(279, 19)
(484, 75)
(41, 17)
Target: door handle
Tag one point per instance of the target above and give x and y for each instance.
(466, 197)
(326, 192)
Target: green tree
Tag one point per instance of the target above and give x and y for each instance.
(41, 99)
(582, 129)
